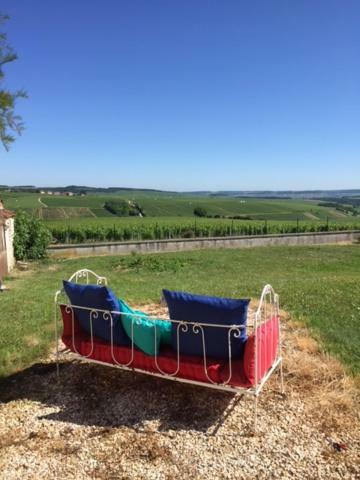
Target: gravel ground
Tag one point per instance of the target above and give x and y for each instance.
(102, 423)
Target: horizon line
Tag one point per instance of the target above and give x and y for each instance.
(84, 187)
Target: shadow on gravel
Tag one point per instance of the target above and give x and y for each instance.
(99, 396)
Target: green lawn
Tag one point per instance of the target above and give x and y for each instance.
(318, 285)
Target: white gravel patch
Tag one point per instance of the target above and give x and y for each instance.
(103, 423)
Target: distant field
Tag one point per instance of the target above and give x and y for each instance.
(170, 206)
(165, 205)
(79, 219)
(15, 201)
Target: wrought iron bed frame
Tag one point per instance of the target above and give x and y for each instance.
(268, 308)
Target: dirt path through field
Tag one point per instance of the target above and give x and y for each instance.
(91, 213)
(42, 203)
(311, 216)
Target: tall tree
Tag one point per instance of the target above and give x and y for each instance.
(10, 123)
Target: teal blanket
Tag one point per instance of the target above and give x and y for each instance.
(144, 329)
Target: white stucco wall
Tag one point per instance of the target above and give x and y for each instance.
(9, 239)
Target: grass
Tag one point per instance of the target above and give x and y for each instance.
(317, 285)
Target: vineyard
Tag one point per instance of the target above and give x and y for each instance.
(170, 228)
(62, 208)
(95, 217)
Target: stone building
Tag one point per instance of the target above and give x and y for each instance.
(7, 259)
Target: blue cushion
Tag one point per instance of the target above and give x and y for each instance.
(212, 310)
(143, 329)
(97, 297)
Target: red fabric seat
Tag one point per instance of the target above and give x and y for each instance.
(191, 367)
(266, 343)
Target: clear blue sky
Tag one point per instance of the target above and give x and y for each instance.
(186, 94)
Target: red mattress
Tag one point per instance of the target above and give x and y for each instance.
(191, 367)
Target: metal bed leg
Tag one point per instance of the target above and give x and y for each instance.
(57, 364)
(255, 413)
(57, 358)
(56, 340)
(281, 378)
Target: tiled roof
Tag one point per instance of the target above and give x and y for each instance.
(5, 214)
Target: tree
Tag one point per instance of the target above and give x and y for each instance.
(200, 212)
(10, 123)
(123, 208)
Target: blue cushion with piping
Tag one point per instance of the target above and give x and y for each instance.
(212, 310)
(97, 297)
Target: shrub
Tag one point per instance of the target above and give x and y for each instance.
(200, 212)
(188, 234)
(31, 237)
(117, 207)
(122, 208)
